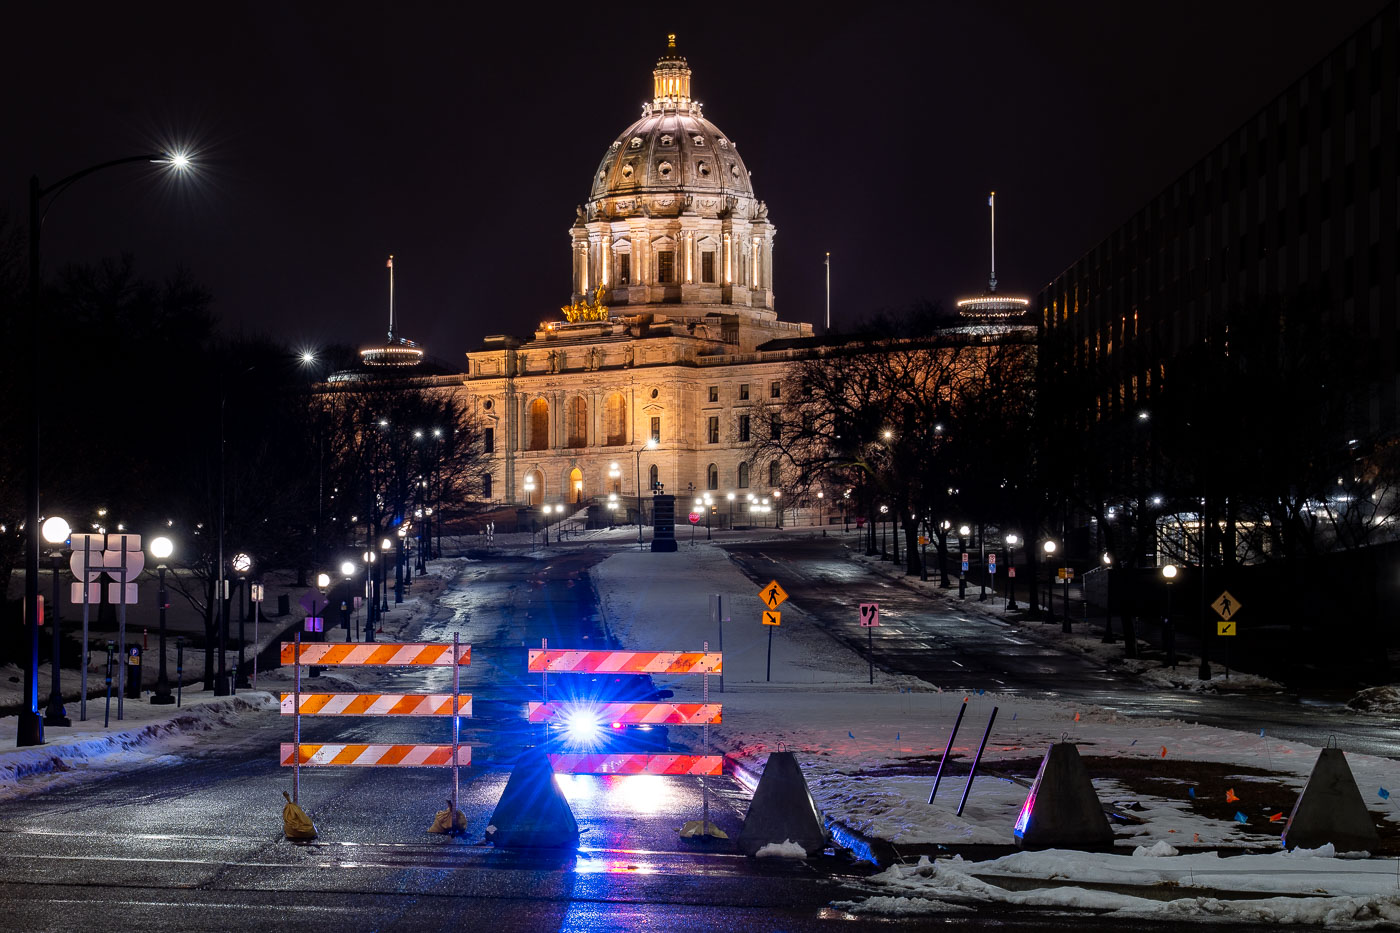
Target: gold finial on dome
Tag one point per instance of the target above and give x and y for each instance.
(671, 79)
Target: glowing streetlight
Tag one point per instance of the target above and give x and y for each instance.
(55, 532)
(1169, 572)
(161, 549)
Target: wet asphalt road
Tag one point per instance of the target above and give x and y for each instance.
(193, 842)
(932, 639)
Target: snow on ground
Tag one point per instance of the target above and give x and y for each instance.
(869, 754)
(1384, 699)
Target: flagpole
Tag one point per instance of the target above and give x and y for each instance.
(992, 203)
(828, 292)
(391, 297)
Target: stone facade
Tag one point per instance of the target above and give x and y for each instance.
(674, 244)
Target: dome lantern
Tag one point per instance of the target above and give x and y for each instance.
(671, 79)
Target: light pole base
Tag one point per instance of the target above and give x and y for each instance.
(161, 697)
(221, 684)
(30, 729)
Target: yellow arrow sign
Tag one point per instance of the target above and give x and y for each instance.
(772, 595)
(772, 618)
(1225, 628)
(1226, 606)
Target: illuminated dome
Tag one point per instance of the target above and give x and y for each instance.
(671, 216)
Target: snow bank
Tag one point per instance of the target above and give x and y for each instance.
(785, 849)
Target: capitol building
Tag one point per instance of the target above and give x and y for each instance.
(670, 357)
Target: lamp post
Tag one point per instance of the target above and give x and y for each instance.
(161, 549)
(529, 491)
(651, 444)
(56, 531)
(943, 528)
(778, 507)
(385, 546)
(884, 510)
(1169, 572)
(30, 728)
(963, 532)
(242, 563)
(369, 557)
(398, 563)
(1108, 639)
(709, 508)
(347, 570)
(1011, 540)
(730, 496)
(1049, 547)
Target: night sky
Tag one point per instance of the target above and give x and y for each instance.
(460, 141)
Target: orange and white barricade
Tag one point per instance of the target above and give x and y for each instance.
(295, 754)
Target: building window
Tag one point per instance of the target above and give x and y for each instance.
(656, 429)
(488, 440)
(655, 475)
(624, 269)
(578, 422)
(712, 434)
(486, 485)
(707, 266)
(712, 477)
(775, 390)
(743, 427)
(714, 393)
(666, 266)
(743, 391)
(743, 476)
(774, 474)
(775, 427)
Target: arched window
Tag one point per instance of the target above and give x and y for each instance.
(743, 476)
(533, 487)
(576, 485)
(774, 474)
(537, 437)
(615, 420)
(655, 477)
(578, 422)
(712, 477)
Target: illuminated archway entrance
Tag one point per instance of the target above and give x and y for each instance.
(576, 485)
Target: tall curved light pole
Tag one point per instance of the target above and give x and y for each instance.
(56, 532)
(161, 549)
(650, 445)
(30, 730)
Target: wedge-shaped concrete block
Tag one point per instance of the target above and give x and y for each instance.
(1062, 811)
(1330, 809)
(532, 812)
(782, 810)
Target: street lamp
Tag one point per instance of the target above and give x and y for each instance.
(1049, 547)
(1108, 639)
(651, 444)
(1011, 540)
(161, 549)
(385, 546)
(529, 490)
(778, 504)
(615, 474)
(1169, 572)
(347, 570)
(963, 532)
(56, 532)
(242, 563)
(30, 728)
(369, 558)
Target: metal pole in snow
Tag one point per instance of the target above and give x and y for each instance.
(973, 773)
(296, 717)
(456, 724)
(947, 749)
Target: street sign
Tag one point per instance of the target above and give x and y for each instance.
(1226, 606)
(992, 561)
(869, 615)
(1065, 573)
(773, 596)
(964, 559)
(255, 592)
(1011, 572)
(964, 565)
(1225, 628)
(694, 518)
(313, 624)
(923, 539)
(772, 618)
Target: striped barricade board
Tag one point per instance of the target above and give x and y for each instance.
(388, 654)
(637, 764)
(376, 704)
(368, 756)
(555, 661)
(657, 714)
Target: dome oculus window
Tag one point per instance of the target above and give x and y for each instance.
(667, 139)
(703, 168)
(733, 170)
(664, 169)
(636, 142)
(486, 404)
(627, 170)
(655, 393)
(699, 140)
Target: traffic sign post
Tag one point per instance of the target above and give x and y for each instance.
(870, 620)
(1227, 607)
(772, 596)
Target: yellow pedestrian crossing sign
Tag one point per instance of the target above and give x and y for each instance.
(1226, 606)
(1225, 628)
(772, 618)
(773, 596)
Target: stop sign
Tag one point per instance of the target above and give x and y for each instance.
(695, 518)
